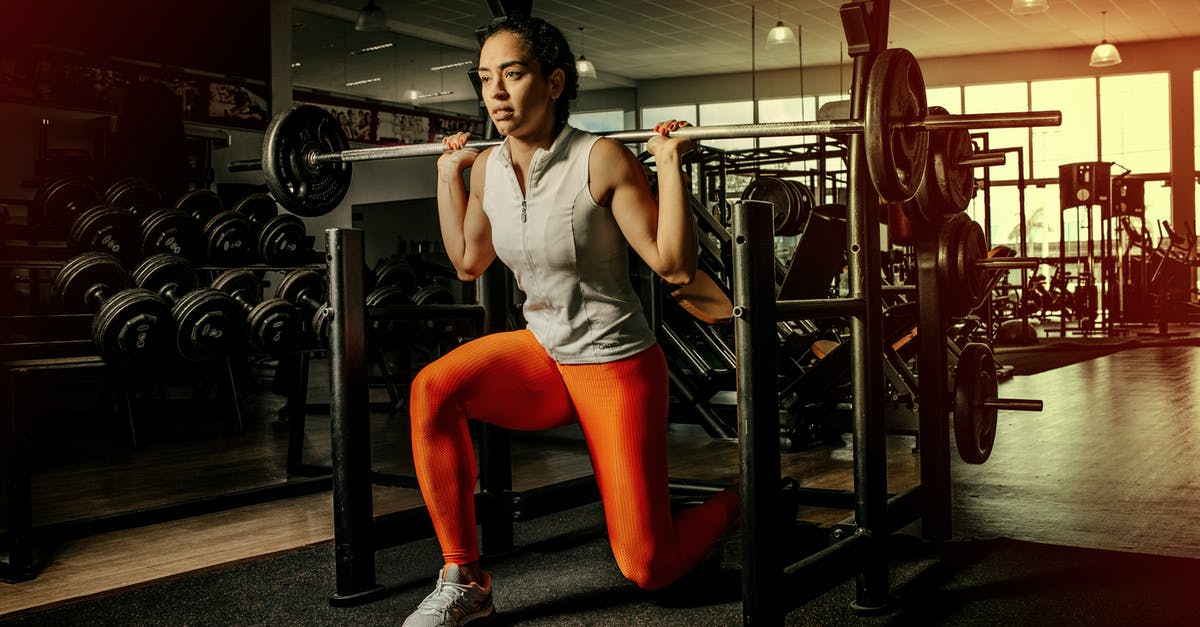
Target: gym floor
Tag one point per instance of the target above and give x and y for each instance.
(1112, 462)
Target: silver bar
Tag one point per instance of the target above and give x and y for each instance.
(727, 131)
(1009, 263)
(983, 160)
(1014, 404)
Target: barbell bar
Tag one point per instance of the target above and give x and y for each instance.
(972, 121)
(306, 156)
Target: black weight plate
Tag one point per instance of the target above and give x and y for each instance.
(282, 240)
(201, 204)
(804, 203)
(61, 200)
(273, 326)
(239, 281)
(257, 208)
(926, 206)
(301, 283)
(208, 324)
(433, 295)
(974, 383)
(175, 232)
(972, 247)
(955, 183)
(131, 325)
(106, 229)
(956, 301)
(229, 237)
(119, 185)
(85, 277)
(302, 187)
(162, 272)
(137, 197)
(396, 272)
(387, 330)
(321, 321)
(896, 155)
(773, 190)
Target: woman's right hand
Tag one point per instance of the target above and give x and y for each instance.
(456, 158)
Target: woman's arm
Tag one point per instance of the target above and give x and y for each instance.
(661, 232)
(466, 232)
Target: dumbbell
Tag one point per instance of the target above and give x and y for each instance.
(105, 229)
(228, 235)
(135, 195)
(282, 238)
(174, 232)
(208, 323)
(129, 323)
(59, 200)
(306, 290)
(272, 324)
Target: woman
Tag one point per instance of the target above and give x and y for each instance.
(559, 207)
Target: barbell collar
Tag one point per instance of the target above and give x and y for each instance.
(1013, 404)
(983, 160)
(727, 131)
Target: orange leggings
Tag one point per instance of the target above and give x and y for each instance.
(508, 380)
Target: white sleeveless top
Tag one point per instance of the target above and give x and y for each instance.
(567, 253)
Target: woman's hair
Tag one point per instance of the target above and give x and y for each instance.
(551, 50)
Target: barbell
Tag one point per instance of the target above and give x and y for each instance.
(306, 159)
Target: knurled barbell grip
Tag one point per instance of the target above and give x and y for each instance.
(1013, 404)
(727, 131)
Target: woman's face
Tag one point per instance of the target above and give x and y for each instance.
(517, 96)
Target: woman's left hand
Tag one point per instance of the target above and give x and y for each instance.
(663, 144)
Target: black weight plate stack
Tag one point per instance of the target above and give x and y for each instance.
(131, 325)
(201, 204)
(303, 187)
(137, 196)
(396, 272)
(62, 199)
(282, 240)
(896, 155)
(77, 286)
(257, 208)
(173, 231)
(386, 331)
(229, 237)
(273, 325)
(108, 229)
(157, 272)
(208, 324)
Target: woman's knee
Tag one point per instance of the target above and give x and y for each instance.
(431, 393)
(646, 571)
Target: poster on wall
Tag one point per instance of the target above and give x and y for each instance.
(77, 81)
(388, 124)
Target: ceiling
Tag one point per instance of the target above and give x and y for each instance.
(632, 40)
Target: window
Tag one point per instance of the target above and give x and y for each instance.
(1075, 140)
(722, 113)
(948, 97)
(1001, 98)
(1135, 122)
(599, 121)
(787, 110)
(654, 115)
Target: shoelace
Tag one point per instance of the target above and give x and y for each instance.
(442, 598)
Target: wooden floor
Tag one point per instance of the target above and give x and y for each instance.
(1113, 462)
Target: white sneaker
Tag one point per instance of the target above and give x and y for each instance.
(453, 603)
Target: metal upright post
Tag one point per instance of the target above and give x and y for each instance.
(350, 422)
(495, 443)
(758, 410)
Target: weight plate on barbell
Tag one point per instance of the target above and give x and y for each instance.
(951, 283)
(774, 190)
(974, 383)
(972, 246)
(896, 154)
(302, 187)
(804, 203)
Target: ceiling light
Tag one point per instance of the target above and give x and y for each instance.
(295, 64)
(585, 68)
(435, 94)
(365, 81)
(780, 35)
(374, 48)
(371, 19)
(411, 94)
(1105, 54)
(439, 68)
(1029, 7)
